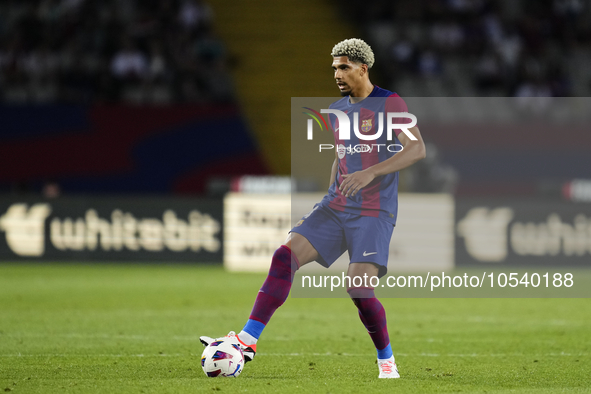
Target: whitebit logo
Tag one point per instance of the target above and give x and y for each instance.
(25, 229)
(26, 232)
(552, 237)
(485, 233)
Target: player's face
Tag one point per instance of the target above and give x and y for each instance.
(347, 74)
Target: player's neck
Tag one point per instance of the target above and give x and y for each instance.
(363, 92)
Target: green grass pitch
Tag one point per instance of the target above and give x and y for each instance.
(135, 329)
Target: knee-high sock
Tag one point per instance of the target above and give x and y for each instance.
(373, 317)
(274, 291)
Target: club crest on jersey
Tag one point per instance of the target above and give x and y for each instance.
(366, 125)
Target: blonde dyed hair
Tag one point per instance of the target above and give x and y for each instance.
(356, 50)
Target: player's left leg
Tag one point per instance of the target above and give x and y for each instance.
(373, 316)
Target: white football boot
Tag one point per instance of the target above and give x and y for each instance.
(388, 369)
(248, 351)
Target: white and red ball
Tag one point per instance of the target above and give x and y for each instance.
(222, 358)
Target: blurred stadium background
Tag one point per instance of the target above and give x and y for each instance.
(158, 131)
(135, 118)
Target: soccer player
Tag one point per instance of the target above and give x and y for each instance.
(358, 213)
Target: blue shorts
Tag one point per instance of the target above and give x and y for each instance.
(331, 233)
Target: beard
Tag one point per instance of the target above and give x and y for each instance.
(345, 92)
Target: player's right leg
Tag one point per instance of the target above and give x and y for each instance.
(317, 237)
(286, 260)
(296, 252)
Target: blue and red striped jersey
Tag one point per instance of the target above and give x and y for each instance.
(380, 197)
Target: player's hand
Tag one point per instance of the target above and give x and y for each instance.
(355, 182)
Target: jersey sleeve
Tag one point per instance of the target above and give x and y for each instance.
(395, 103)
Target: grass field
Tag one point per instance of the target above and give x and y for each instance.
(135, 329)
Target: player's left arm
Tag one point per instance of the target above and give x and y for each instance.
(411, 152)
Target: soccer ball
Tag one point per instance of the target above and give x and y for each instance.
(222, 358)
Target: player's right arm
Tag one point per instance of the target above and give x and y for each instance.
(413, 151)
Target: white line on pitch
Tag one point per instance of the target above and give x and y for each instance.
(311, 354)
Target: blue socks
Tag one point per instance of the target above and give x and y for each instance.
(385, 353)
(255, 328)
